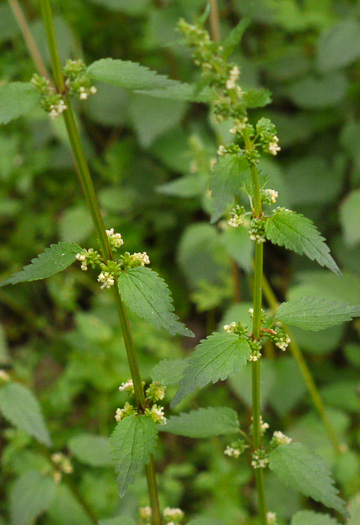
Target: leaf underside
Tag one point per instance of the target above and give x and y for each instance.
(301, 469)
(132, 443)
(147, 295)
(217, 357)
(53, 260)
(297, 233)
(312, 313)
(203, 423)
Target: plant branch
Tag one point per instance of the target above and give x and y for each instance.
(93, 205)
(305, 372)
(215, 21)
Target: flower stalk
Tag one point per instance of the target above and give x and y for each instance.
(93, 205)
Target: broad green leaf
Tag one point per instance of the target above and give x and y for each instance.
(350, 218)
(301, 469)
(297, 233)
(203, 423)
(188, 186)
(30, 496)
(128, 75)
(339, 46)
(19, 406)
(147, 295)
(132, 442)
(239, 246)
(257, 98)
(227, 179)
(216, 357)
(179, 91)
(308, 517)
(319, 93)
(169, 372)
(314, 313)
(232, 41)
(54, 260)
(91, 450)
(16, 100)
(355, 510)
(65, 508)
(75, 224)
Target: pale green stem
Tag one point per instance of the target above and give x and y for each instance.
(93, 205)
(305, 372)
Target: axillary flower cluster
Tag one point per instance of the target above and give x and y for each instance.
(110, 270)
(153, 394)
(77, 84)
(172, 516)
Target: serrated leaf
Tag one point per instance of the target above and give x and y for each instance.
(91, 450)
(308, 517)
(216, 357)
(297, 233)
(203, 423)
(350, 218)
(314, 313)
(54, 260)
(339, 46)
(181, 91)
(257, 98)
(233, 39)
(147, 295)
(301, 469)
(31, 495)
(19, 406)
(16, 100)
(228, 177)
(132, 443)
(128, 75)
(169, 371)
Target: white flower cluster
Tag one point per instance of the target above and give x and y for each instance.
(270, 196)
(121, 413)
(83, 259)
(280, 439)
(283, 342)
(127, 387)
(84, 93)
(106, 279)
(157, 414)
(236, 221)
(156, 391)
(255, 355)
(142, 258)
(115, 239)
(271, 518)
(63, 466)
(145, 514)
(57, 109)
(239, 125)
(173, 516)
(232, 452)
(230, 328)
(274, 146)
(256, 237)
(233, 78)
(259, 459)
(221, 150)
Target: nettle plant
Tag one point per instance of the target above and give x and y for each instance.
(137, 287)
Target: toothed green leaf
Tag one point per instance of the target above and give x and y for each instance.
(169, 371)
(132, 443)
(147, 295)
(228, 177)
(54, 260)
(297, 233)
(233, 39)
(203, 423)
(16, 100)
(313, 313)
(19, 406)
(217, 357)
(301, 469)
(30, 496)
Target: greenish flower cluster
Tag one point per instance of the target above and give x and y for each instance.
(154, 393)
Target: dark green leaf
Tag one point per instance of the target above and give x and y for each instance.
(169, 371)
(16, 100)
(232, 41)
(203, 423)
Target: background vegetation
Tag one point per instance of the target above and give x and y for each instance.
(151, 159)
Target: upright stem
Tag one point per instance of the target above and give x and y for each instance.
(258, 277)
(214, 21)
(305, 372)
(93, 205)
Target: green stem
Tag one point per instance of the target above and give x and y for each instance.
(256, 332)
(305, 372)
(93, 205)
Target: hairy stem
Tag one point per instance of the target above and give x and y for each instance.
(93, 205)
(305, 372)
(258, 278)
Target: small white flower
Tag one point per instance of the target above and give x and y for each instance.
(274, 146)
(255, 356)
(232, 452)
(84, 96)
(221, 150)
(157, 414)
(271, 518)
(143, 258)
(145, 513)
(230, 84)
(115, 239)
(127, 387)
(281, 439)
(106, 279)
(173, 514)
(93, 90)
(4, 376)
